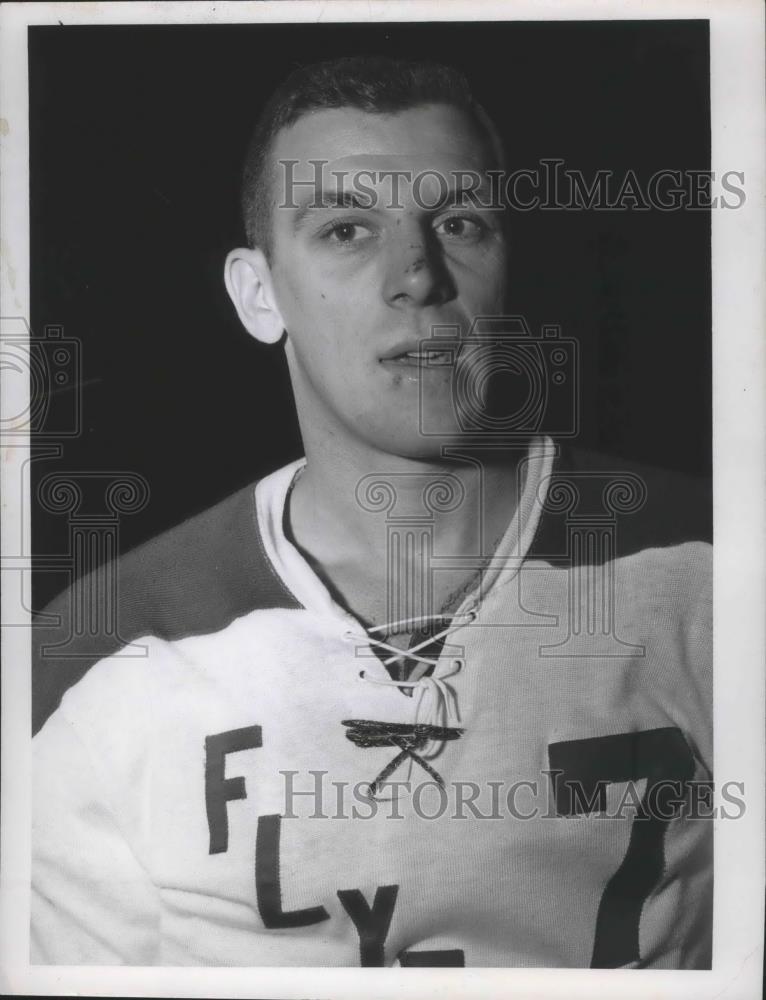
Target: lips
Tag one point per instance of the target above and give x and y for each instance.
(419, 359)
(414, 354)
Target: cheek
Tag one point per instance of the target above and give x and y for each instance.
(320, 322)
(482, 278)
(305, 313)
(494, 272)
(323, 309)
(308, 294)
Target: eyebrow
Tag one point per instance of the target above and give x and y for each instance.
(323, 198)
(327, 198)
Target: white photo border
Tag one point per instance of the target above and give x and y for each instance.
(739, 449)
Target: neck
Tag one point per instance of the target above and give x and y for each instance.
(399, 537)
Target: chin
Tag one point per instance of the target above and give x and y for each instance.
(415, 446)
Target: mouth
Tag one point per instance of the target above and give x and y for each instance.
(421, 359)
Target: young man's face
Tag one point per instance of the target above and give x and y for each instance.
(359, 288)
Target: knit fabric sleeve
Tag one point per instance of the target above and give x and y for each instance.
(93, 902)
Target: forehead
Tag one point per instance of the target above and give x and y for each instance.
(426, 137)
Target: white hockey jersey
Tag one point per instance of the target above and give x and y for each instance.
(239, 782)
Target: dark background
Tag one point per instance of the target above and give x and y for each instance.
(136, 140)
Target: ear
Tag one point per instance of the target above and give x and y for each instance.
(248, 281)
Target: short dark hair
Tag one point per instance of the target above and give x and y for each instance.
(377, 84)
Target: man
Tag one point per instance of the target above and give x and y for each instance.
(396, 706)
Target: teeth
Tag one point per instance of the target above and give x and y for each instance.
(433, 357)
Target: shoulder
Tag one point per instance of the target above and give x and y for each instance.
(677, 577)
(644, 506)
(192, 580)
(202, 574)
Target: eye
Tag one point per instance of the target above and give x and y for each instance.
(346, 233)
(460, 227)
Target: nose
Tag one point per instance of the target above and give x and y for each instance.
(415, 272)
